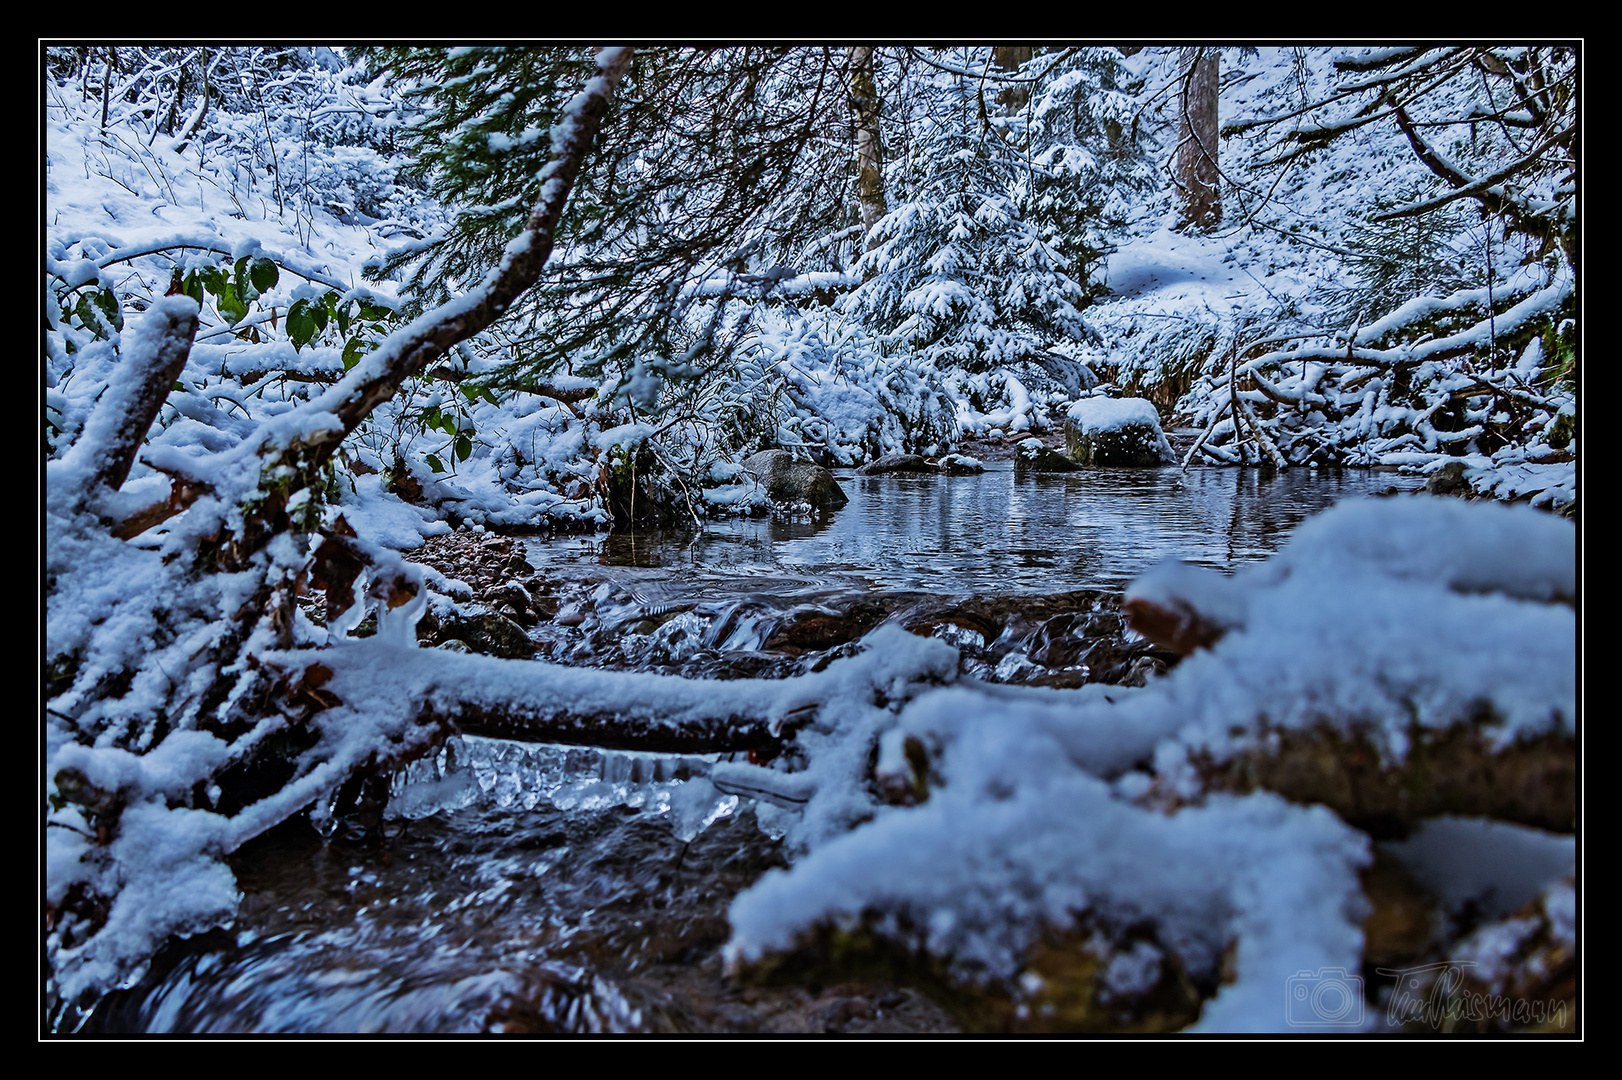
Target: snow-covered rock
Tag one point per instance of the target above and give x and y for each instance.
(1115, 431)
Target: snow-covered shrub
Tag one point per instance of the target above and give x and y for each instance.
(351, 181)
(1089, 165)
(828, 386)
(1462, 376)
(1159, 357)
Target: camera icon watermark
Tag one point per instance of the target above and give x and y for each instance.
(1328, 997)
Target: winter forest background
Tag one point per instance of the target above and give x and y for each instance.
(306, 307)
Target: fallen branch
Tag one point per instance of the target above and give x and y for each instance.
(152, 360)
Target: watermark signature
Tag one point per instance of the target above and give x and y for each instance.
(1438, 996)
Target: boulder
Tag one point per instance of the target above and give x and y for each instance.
(960, 465)
(1036, 457)
(1116, 431)
(790, 481)
(890, 463)
(1448, 480)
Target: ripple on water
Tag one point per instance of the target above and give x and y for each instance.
(994, 532)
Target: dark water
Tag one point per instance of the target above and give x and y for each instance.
(997, 532)
(525, 890)
(544, 889)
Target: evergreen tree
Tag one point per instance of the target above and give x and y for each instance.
(968, 270)
(1089, 168)
(710, 179)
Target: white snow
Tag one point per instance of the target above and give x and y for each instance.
(1113, 414)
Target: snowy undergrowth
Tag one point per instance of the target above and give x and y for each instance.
(1315, 327)
(131, 210)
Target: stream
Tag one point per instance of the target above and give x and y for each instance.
(533, 889)
(996, 532)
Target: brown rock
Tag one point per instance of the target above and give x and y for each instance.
(1458, 770)
(790, 481)
(1175, 626)
(891, 463)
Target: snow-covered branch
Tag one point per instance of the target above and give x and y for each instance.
(211, 243)
(154, 354)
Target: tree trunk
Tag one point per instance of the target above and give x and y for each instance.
(1197, 174)
(1009, 58)
(864, 104)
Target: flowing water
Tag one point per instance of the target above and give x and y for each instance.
(551, 889)
(749, 596)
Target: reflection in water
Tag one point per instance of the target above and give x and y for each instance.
(1001, 532)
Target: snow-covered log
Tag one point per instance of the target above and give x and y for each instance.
(1088, 860)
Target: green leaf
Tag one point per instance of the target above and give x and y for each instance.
(300, 324)
(489, 395)
(464, 448)
(213, 279)
(353, 351)
(108, 304)
(193, 287)
(373, 311)
(231, 305)
(263, 273)
(343, 319)
(435, 464)
(90, 316)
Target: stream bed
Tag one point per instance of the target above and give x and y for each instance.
(526, 888)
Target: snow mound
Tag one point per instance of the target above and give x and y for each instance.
(1113, 414)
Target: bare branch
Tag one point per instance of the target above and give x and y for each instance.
(407, 351)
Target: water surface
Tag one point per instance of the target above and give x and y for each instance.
(997, 532)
